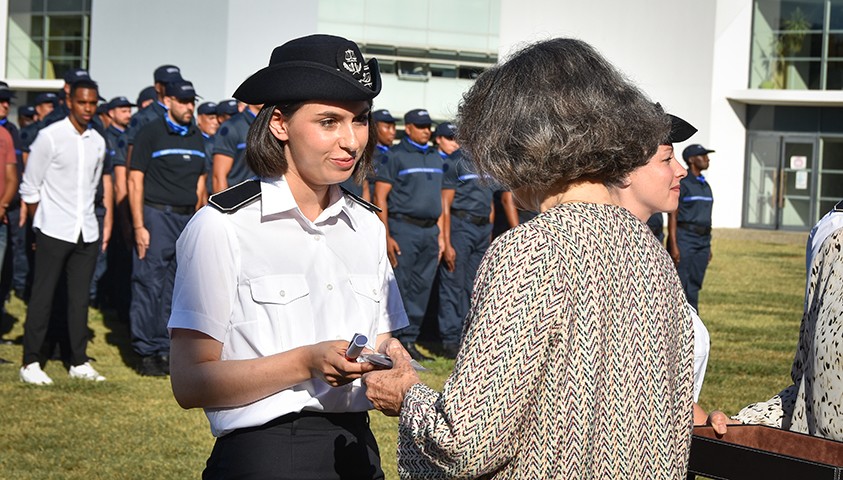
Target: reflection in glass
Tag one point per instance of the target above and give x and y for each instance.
(47, 37)
(788, 44)
(762, 178)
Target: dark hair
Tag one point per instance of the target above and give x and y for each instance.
(265, 153)
(557, 113)
(84, 83)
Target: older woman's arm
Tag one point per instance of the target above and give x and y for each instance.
(473, 427)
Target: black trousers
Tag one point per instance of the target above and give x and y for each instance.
(306, 445)
(52, 258)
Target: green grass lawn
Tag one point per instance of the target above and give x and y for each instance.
(130, 426)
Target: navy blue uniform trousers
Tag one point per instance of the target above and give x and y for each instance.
(694, 252)
(415, 272)
(470, 241)
(152, 282)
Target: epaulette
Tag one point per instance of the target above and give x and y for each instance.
(838, 207)
(232, 198)
(368, 206)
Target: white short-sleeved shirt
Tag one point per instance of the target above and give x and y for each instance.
(702, 346)
(265, 279)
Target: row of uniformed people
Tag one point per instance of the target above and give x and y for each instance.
(412, 176)
(154, 199)
(191, 161)
(438, 216)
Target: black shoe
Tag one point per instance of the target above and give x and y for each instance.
(415, 353)
(163, 360)
(450, 350)
(150, 366)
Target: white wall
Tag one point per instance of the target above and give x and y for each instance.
(683, 53)
(727, 132)
(216, 43)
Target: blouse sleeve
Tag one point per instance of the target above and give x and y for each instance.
(205, 288)
(472, 427)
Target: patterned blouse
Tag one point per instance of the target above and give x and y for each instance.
(812, 404)
(576, 361)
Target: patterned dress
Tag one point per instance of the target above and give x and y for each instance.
(576, 362)
(813, 403)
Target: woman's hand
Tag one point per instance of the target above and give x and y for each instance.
(386, 388)
(327, 362)
(718, 420)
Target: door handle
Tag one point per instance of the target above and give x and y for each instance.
(782, 184)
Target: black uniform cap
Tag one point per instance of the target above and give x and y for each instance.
(680, 130)
(315, 67)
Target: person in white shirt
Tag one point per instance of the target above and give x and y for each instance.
(278, 273)
(58, 188)
(825, 227)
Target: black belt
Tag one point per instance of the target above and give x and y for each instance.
(420, 222)
(180, 209)
(693, 227)
(475, 219)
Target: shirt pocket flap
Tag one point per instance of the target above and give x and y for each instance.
(279, 289)
(367, 286)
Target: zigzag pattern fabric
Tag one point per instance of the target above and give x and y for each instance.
(576, 361)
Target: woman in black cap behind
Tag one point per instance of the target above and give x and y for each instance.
(281, 271)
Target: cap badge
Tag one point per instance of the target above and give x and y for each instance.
(354, 66)
(351, 64)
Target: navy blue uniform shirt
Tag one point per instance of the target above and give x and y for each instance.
(470, 194)
(231, 141)
(209, 159)
(152, 111)
(172, 163)
(28, 134)
(415, 173)
(116, 145)
(695, 201)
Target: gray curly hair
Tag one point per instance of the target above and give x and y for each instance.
(556, 113)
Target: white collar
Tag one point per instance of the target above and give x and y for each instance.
(276, 197)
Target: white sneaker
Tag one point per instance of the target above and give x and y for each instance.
(33, 374)
(85, 372)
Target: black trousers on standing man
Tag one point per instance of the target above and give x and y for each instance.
(52, 258)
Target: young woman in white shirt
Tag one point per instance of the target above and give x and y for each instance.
(279, 272)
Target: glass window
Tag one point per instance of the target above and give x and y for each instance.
(792, 48)
(831, 185)
(833, 155)
(47, 37)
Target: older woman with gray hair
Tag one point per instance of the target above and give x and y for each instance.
(577, 353)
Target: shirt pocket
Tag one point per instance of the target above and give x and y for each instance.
(278, 289)
(280, 319)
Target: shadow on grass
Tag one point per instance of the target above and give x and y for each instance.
(7, 323)
(119, 335)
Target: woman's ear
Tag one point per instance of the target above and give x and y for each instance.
(278, 126)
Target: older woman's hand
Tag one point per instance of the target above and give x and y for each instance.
(386, 388)
(719, 420)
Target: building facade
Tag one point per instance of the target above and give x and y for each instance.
(760, 79)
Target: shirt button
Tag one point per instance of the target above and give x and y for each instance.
(282, 293)
(330, 287)
(316, 237)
